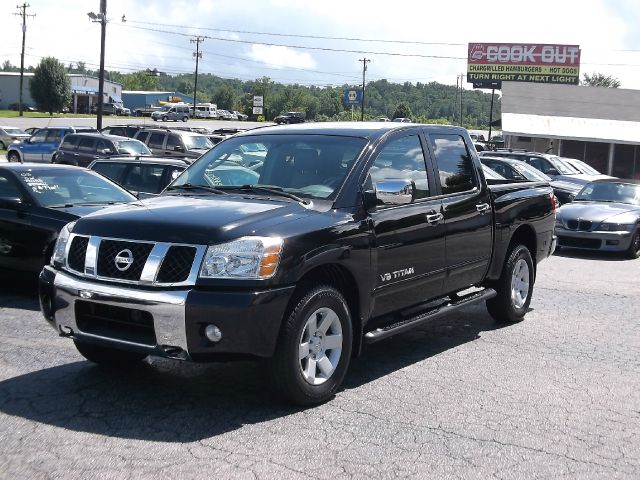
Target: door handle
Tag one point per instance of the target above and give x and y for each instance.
(483, 207)
(434, 217)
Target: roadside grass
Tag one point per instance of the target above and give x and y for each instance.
(15, 114)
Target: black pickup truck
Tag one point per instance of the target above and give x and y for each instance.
(329, 236)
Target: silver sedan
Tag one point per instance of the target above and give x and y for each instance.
(605, 216)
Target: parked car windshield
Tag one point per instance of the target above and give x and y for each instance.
(531, 173)
(60, 187)
(617, 192)
(14, 131)
(311, 166)
(197, 142)
(132, 147)
(562, 167)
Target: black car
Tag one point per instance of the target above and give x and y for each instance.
(122, 130)
(37, 200)
(550, 165)
(290, 117)
(144, 176)
(514, 169)
(81, 149)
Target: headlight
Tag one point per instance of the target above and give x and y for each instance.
(61, 244)
(245, 258)
(615, 227)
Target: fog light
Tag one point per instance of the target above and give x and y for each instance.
(213, 333)
(613, 242)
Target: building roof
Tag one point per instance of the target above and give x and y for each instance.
(145, 92)
(14, 74)
(596, 114)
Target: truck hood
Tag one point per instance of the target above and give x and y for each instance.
(600, 212)
(192, 219)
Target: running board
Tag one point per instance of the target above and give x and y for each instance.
(437, 312)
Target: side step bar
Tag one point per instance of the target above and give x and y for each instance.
(429, 315)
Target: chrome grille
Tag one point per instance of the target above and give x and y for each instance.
(583, 225)
(154, 264)
(108, 251)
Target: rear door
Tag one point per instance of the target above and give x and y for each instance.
(86, 152)
(409, 257)
(466, 206)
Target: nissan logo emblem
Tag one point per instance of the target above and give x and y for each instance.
(124, 259)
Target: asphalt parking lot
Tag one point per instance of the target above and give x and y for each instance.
(556, 396)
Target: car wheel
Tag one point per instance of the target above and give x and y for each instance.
(13, 157)
(184, 119)
(515, 287)
(164, 119)
(314, 348)
(108, 357)
(154, 119)
(634, 248)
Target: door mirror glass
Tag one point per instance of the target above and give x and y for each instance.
(395, 191)
(12, 203)
(178, 148)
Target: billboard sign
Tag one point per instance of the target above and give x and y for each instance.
(257, 111)
(258, 101)
(488, 63)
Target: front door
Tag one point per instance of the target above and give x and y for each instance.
(466, 206)
(409, 253)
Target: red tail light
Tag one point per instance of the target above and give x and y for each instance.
(554, 203)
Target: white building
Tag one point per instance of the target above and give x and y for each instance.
(84, 89)
(598, 125)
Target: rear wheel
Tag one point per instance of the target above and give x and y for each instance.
(514, 287)
(164, 119)
(314, 349)
(634, 248)
(185, 118)
(108, 357)
(13, 157)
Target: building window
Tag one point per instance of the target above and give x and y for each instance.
(114, 89)
(524, 139)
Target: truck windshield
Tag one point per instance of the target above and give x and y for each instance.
(312, 166)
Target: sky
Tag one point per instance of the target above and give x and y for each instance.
(248, 39)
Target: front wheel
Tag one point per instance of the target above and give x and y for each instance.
(184, 119)
(634, 248)
(13, 157)
(108, 357)
(314, 349)
(164, 119)
(514, 287)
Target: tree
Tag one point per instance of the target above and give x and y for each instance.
(50, 86)
(224, 97)
(402, 111)
(597, 79)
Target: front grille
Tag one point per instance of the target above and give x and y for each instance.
(176, 265)
(118, 323)
(107, 254)
(582, 225)
(592, 243)
(78, 253)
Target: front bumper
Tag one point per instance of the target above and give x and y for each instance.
(167, 323)
(603, 241)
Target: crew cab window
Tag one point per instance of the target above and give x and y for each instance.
(156, 140)
(69, 143)
(172, 142)
(400, 159)
(142, 136)
(454, 163)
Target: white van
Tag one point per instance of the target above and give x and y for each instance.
(206, 110)
(175, 111)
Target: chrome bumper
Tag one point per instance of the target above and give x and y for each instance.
(167, 308)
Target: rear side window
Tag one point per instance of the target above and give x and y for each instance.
(143, 136)
(144, 178)
(172, 142)
(454, 163)
(113, 170)
(70, 142)
(87, 144)
(156, 140)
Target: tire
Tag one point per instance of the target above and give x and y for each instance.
(634, 249)
(314, 348)
(13, 157)
(108, 357)
(164, 119)
(154, 119)
(515, 287)
(184, 119)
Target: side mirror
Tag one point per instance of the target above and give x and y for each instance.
(552, 171)
(571, 198)
(12, 203)
(178, 148)
(395, 191)
(106, 151)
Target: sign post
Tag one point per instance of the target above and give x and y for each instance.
(352, 97)
(258, 105)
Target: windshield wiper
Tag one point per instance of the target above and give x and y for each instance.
(274, 190)
(189, 186)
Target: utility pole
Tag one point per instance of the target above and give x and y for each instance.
(493, 92)
(22, 13)
(364, 71)
(197, 55)
(461, 90)
(103, 31)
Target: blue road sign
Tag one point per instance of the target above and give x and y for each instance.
(352, 96)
